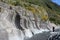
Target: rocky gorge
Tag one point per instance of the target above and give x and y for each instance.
(24, 21)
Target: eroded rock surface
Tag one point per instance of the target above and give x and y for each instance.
(19, 23)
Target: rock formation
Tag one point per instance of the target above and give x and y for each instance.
(23, 20)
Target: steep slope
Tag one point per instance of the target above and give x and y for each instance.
(52, 9)
(21, 23)
(23, 19)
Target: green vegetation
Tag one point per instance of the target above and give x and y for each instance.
(44, 6)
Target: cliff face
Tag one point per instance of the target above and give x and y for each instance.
(19, 23)
(23, 19)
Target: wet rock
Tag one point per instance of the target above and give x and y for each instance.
(40, 36)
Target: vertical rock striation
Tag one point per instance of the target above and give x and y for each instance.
(22, 22)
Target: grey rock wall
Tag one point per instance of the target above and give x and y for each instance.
(19, 23)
